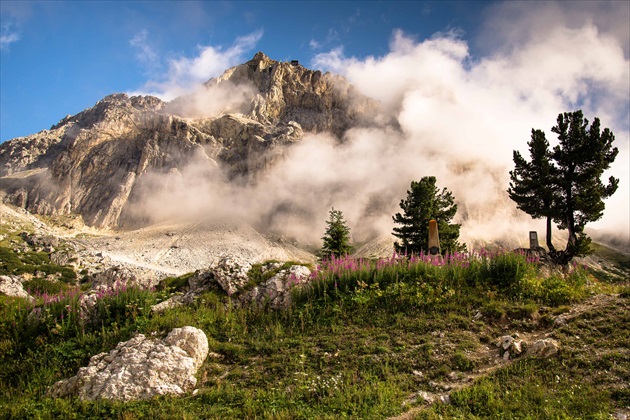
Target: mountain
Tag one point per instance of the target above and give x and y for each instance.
(103, 162)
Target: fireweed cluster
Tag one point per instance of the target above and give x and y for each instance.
(514, 274)
(72, 312)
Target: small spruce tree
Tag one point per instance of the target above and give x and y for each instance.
(425, 202)
(337, 236)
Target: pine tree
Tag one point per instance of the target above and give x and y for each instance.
(532, 187)
(425, 202)
(567, 180)
(337, 236)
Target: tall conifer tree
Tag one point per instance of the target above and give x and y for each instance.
(425, 202)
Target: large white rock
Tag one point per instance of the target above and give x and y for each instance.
(231, 273)
(12, 286)
(140, 368)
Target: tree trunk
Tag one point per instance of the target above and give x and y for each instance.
(552, 249)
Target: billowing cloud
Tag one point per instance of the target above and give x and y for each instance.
(185, 74)
(461, 116)
(455, 116)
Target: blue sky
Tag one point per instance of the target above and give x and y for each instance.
(59, 58)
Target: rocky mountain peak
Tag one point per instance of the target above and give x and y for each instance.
(102, 161)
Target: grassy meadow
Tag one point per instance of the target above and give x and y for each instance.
(361, 340)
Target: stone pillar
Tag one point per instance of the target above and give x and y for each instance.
(533, 240)
(434, 238)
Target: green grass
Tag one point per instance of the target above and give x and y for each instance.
(350, 351)
(30, 262)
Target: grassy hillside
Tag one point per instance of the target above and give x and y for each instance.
(364, 339)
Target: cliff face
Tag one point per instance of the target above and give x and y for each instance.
(95, 163)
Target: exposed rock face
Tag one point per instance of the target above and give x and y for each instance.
(275, 291)
(103, 161)
(140, 368)
(12, 286)
(231, 274)
(114, 277)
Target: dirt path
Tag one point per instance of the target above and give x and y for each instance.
(460, 380)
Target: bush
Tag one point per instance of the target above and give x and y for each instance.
(40, 286)
(506, 271)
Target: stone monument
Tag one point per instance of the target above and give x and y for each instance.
(434, 238)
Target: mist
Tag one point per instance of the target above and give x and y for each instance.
(456, 116)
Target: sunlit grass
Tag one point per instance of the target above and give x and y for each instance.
(350, 345)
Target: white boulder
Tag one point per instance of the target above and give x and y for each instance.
(140, 368)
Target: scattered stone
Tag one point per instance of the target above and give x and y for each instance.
(506, 341)
(114, 277)
(560, 321)
(64, 258)
(428, 397)
(140, 368)
(517, 347)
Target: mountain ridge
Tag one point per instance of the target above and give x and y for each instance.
(101, 162)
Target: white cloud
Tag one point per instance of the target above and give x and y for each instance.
(8, 36)
(459, 117)
(462, 116)
(185, 74)
(314, 44)
(145, 53)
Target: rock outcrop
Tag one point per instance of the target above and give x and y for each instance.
(103, 162)
(12, 286)
(140, 368)
(231, 275)
(276, 291)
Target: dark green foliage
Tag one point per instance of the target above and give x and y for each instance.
(337, 236)
(261, 272)
(41, 286)
(12, 263)
(425, 202)
(505, 271)
(564, 184)
(175, 284)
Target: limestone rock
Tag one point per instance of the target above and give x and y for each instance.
(140, 368)
(12, 286)
(231, 273)
(64, 258)
(506, 342)
(544, 348)
(114, 277)
(275, 291)
(102, 162)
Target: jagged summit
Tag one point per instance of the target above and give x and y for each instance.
(102, 162)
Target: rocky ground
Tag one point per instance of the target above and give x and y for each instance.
(157, 251)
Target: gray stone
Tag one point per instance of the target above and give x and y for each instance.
(275, 291)
(231, 273)
(544, 348)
